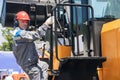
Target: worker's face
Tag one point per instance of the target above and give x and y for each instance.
(23, 24)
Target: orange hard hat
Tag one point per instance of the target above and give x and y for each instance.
(22, 15)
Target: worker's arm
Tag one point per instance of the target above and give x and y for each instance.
(29, 35)
(33, 35)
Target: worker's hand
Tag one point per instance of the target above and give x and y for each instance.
(49, 21)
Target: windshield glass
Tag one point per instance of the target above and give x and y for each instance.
(106, 8)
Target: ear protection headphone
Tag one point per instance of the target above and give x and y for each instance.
(16, 24)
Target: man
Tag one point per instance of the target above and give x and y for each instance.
(24, 47)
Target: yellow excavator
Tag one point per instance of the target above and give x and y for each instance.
(84, 41)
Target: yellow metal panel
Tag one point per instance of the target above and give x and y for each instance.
(100, 73)
(110, 42)
(64, 51)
